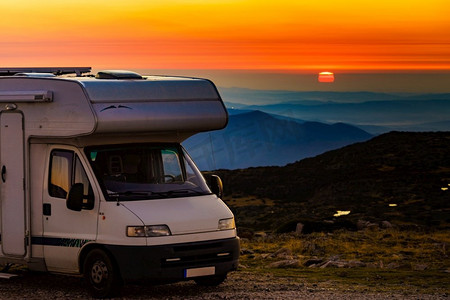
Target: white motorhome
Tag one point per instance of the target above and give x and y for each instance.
(94, 180)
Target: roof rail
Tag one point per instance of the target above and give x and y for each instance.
(53, 70)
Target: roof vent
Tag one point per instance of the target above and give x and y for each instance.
(117, 74)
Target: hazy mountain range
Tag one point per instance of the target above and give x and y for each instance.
(274, 128)
(374, 112)
(258, 139)
(262, 97)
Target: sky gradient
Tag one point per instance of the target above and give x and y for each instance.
(291, 37)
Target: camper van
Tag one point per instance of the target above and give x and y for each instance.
(94, 180)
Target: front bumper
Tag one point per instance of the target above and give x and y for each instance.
(170, 262)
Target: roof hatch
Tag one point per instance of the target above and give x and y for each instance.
(118, 74)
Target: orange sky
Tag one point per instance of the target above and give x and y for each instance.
(296, 36)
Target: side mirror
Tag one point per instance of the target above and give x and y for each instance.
(216, 185)
(74, 199)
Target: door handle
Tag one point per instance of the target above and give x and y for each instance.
(3, 173)
(47, 209)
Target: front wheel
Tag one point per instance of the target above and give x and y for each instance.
(101, 274)
(214, 280)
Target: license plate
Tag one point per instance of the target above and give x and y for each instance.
(196, 272)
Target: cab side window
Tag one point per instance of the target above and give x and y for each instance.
(66, 170)
(60, 179)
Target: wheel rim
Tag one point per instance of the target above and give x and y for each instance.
(99, 272)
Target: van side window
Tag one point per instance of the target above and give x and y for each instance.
(66, 170)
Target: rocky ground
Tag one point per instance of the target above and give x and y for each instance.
(239, 285)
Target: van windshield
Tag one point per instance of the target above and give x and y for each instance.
(145, 171)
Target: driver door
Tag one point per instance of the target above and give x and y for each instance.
(65, 230)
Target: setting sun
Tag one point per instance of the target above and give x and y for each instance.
(326, 77)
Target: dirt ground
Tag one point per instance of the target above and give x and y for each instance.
(239, 285)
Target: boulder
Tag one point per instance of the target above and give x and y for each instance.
(288, 263)
(312, 262)
(356, 264)
(245, 251)
(360, 225)
(260, 234)
(385, 224)
(285, 253)
(420, 267)
(372, 227)
(341, 264)
(299, 228)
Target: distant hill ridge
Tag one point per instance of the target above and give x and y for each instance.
(374, 112)
(402, 177)
(256, 138)
(387, 113)
(242, 95)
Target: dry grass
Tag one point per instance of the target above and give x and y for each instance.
(367, 246)
(395, 259)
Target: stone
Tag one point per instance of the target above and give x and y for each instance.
(326, 264)
(360, 225)
(342, 264)
(299, 228)
(283, 253)
(289, 263)
(312, 262)
(260, 234)
(420, 267)
(356, 264)
(393, 265)
(245, 251)
(372, 265)
(385, 225)
(335, 257)
(372, 227)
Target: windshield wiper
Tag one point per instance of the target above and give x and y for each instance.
(127, 193)
(152, 194)
(180, 193)
(118, 195)
(186, 191)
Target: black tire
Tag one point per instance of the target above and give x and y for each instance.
(101, 275)
(214, 280)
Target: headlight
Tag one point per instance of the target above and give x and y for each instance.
(135, 231)
(148, 231)
(225, 224)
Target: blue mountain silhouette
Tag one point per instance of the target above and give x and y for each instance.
(256, 138)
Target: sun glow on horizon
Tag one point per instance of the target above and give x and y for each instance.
(229, 34)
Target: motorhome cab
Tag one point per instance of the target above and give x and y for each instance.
(94, 180)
